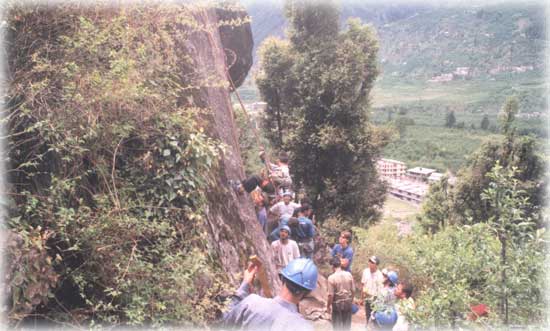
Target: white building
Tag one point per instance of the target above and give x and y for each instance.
(390, 168)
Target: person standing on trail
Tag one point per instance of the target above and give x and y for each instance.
(284, 249)
(304, 232)
(253, 312)
(341, 288)
(371, 285)
(404, 306)
(284, 208)
(343, 250)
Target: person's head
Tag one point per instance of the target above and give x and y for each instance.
(299, 278)
(304, 211)
(404, 290)
(373, 263)
(283, 157)
(308, 208)
(284, 232)
(345, 238)
(335, 262)
(287, 196)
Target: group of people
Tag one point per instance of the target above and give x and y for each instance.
(385, 299)
(293, 224)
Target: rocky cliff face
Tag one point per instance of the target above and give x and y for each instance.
(235, 231)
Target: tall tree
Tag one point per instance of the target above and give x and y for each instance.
(273, 81)
(326, 90)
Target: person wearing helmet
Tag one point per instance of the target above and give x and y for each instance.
(341, 288)
(371, 285)
(253, 312)
(387, 294)
(284, 249)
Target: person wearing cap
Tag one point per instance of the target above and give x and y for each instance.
(284, 208)
(343, 250)
(371, 285)
(253, 312)
(284, 249)
(341, 288)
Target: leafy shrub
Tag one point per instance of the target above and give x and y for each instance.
(110, 166)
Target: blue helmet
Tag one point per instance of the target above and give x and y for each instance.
(386, 317)
(393, 278)
(301, 272)
(286, 228)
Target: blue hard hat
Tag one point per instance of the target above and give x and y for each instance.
(286, 228)
(386, 317)
(392, 276)
(301, 272)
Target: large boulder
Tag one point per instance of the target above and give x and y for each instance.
(237, 42)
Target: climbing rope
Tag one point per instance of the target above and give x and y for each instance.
(257, 136)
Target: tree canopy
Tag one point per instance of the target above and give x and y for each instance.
(317, 88)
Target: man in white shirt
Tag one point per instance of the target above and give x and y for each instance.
(284, 249)
(371, 284)
(284, 208)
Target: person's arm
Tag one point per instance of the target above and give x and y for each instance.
(242, 292)
(333, 250)
(311, 231)
(347, 258)
(330, 296)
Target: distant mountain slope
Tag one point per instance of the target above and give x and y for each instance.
(425, 41)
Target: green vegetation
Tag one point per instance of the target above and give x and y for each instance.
(437, 147)
(108, 169)
(461, 266)
(317, 88)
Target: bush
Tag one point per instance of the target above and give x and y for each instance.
(110, 168)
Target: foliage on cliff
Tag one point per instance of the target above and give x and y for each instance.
(317, 89)
(109, 166)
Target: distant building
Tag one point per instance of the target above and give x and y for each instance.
(406, 189)
(462, 71)
(420, 174)
(435, 177)
(390, 168)
(441, 78)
